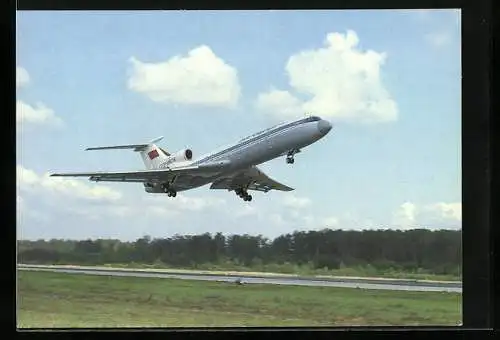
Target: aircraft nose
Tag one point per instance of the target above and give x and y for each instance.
(324, 126)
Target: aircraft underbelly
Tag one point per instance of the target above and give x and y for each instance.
(192, 182)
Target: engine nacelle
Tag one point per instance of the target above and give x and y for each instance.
(181, 156)
(151, 187)
(148, 185)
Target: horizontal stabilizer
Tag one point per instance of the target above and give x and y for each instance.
(135, 147)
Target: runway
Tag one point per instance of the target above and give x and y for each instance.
(341, 282)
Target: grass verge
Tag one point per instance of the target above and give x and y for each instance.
(51, 300)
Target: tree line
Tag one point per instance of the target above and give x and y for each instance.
(435, 252)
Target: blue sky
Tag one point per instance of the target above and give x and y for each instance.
(389, 81)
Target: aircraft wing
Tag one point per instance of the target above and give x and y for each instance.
(159, 175)
(252, 178)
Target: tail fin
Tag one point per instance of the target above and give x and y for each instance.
(151, 154)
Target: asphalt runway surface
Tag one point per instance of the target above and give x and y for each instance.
(341, 282)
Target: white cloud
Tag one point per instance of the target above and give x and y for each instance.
(330, 222)
(438, 39)
(82, 211)
(246, 210)
(340, 81)
(196, 203)
(184, 202)
(78, 189)
(160, 211)
(26, 176)
(313, 222)
(25, 113)
(200, 78)
(276, 219)
(309, 221)
(22, 77)
(280, 102)
(449, 211)
(121, 210)
(277, 223)
(296, 219)
(405, 216)
(28, 180)
(410, 215)
(65, 199)
(40, 114)
(160, 205)
(295, 202)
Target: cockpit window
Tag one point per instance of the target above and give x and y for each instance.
(312, 119)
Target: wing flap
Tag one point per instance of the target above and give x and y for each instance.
(267, 184)
(252, 179)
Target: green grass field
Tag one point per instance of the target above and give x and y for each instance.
(49, 300)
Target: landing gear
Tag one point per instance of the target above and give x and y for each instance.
(168, 190)
(242, 193)
(289, 157)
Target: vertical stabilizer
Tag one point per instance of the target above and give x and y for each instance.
(152, 156)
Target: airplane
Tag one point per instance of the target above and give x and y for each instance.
(233, 167)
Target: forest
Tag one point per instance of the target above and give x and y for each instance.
(437, 252)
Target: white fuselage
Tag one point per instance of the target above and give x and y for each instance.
(256, 149)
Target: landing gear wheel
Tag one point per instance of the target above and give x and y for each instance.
(289, 156)
(170, 192)
(243, 195)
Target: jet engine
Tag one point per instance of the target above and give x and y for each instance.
(151, 187)
(181, 156)
(148, 185)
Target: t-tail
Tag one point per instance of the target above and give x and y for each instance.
(151, 154)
